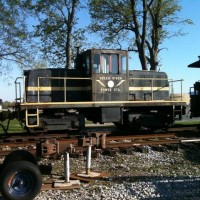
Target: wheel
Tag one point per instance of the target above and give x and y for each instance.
(19, 155)
(20, 180)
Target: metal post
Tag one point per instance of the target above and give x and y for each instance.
(172, 90)
(181, 89)
(38, 89)
(88, 159)
(65, 91)
(151, 89)
(66, 161)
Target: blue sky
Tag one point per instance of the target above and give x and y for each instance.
(179, 53)
(185, 50)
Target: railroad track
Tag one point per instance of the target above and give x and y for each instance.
(47, 145)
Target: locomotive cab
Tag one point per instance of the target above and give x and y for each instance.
(108, 70)
(109, 73)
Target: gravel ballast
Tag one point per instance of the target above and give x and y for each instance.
(168, 174)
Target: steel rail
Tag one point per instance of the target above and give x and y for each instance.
(58, 143)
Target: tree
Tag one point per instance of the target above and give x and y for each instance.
(56, 29)
(143, 23)
(14, 36)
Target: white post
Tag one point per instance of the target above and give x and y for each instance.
(67, 173)
(88, 159)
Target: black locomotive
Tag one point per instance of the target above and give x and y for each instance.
(195, 94)
(99, 88)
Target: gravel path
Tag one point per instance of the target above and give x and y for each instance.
(179, 188)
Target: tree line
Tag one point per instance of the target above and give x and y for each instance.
(41, 33)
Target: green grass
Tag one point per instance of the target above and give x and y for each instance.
(187, 123)
(14, 127)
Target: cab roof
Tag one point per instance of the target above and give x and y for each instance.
(195, 64)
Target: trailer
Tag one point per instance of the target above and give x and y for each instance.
(20, 177)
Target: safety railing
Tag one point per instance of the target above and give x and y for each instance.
(171, 82)
(64, 87)
(19, 93)
(169, 86)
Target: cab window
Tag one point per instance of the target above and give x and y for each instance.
(88, 64)
(105, 63)
(123, 64)
(115, 64)
(109, 63)
(96, 63)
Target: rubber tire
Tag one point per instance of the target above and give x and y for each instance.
(19, 155)
(10, 175)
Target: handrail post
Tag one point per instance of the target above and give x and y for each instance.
(18, 90)
(152, 89)
(181, 89)
(65, 90)
(38, 89)
(172, 90)
(24, 83)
